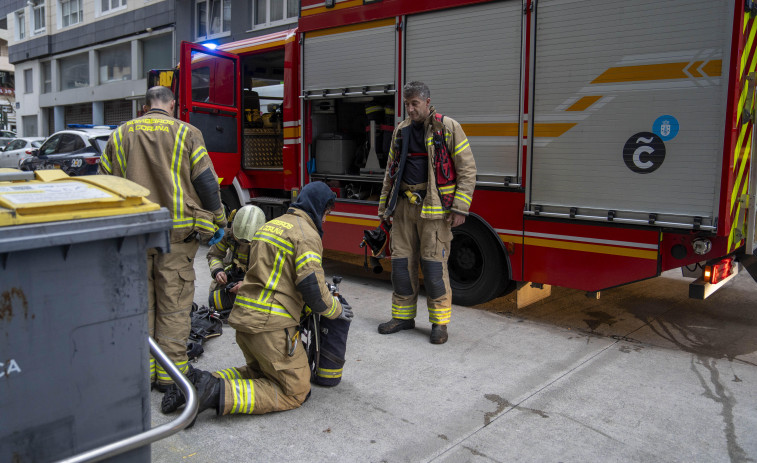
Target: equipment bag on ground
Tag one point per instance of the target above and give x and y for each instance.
(326, 347)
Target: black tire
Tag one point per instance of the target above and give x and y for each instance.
(229, 199)
(477, 266)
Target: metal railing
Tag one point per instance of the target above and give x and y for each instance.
(154, 434)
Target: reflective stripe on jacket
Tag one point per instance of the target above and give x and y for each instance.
(165, 155)
(286, 251)
(465, 168)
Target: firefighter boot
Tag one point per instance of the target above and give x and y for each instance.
(395, 324)
(208, 392)
(438, 334)
(174, 397)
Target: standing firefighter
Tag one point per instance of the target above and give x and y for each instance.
(229, 259)
(428, 188)
(168, 157)
(285, 275)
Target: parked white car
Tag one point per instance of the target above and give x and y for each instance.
(18, 149)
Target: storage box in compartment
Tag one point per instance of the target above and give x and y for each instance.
(334, 153)
(262, 149)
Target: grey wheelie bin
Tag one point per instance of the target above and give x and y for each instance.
(74, 352)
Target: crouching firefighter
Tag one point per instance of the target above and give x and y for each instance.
(285, 275)
(229, 259)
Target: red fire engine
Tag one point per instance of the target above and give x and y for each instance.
(613, 139)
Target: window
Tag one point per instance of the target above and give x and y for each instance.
(30, 125)
(213, 18)
(107, 6)
(15, 145)
(74, 72)
(115, 63)
(157, 53)
(20, 25)
(272, 12)
(71, 12)
(28, 81)
(47, 77)
(38, 16)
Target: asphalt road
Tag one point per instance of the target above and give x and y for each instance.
(642, 374)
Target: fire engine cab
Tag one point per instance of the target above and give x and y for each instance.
(613, 139)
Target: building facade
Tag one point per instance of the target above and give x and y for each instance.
(7, 85)
(86, 61)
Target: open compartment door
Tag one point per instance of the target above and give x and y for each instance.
(210, 99)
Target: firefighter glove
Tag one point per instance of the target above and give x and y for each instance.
(347, 313)
(217, 236)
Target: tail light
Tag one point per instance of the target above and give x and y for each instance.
(92, 160)
(28, 151)
(714, 273)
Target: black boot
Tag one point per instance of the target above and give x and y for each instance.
(208, 392)
(438, 334)
(174, 397)
(395, 324)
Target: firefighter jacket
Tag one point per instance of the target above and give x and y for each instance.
(461, 189)
(284, 276)
(239, 254)
(168, 157)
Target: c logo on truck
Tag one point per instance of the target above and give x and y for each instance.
(644, 152)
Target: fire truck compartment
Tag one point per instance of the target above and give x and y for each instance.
(630, 134)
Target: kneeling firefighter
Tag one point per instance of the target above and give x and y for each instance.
(285, 275)
(229, 259)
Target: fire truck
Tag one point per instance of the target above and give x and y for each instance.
(613, 139)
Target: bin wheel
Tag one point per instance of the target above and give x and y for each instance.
(477, 266)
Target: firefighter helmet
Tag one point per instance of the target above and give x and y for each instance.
(246, 222)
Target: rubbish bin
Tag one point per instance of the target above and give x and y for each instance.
(74, 352)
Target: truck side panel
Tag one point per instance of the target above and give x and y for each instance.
(474, 77)
(633, 97)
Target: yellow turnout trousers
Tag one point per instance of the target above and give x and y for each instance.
(271, 381)
(171, 289)
(415, 241)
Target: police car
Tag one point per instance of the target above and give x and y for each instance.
(76, 150)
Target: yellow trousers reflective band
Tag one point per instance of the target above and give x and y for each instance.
(403, 312)
(243, 394)
(329, 373)
(229, 374)
(440, 316)
(163, 376)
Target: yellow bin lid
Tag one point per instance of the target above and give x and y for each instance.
(51, 195)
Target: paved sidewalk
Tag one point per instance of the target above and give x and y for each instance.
(504, 388)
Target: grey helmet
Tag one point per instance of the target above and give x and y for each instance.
(246, 222)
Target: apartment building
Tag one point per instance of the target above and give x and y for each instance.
(7, 86)
(86, 61)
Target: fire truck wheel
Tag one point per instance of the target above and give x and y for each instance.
(229, 199)
(478, 271)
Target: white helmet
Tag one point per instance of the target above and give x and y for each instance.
(246, 222)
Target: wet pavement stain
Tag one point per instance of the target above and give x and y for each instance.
(629, 349)
(502, 404)
(716, 392)
(598, 318)
(478, 454)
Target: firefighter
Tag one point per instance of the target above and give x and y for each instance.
(168, 157)
(229, 259)
(428, 188)
(285, 275)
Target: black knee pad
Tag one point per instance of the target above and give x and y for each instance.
(433, 278)
(401, 277)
